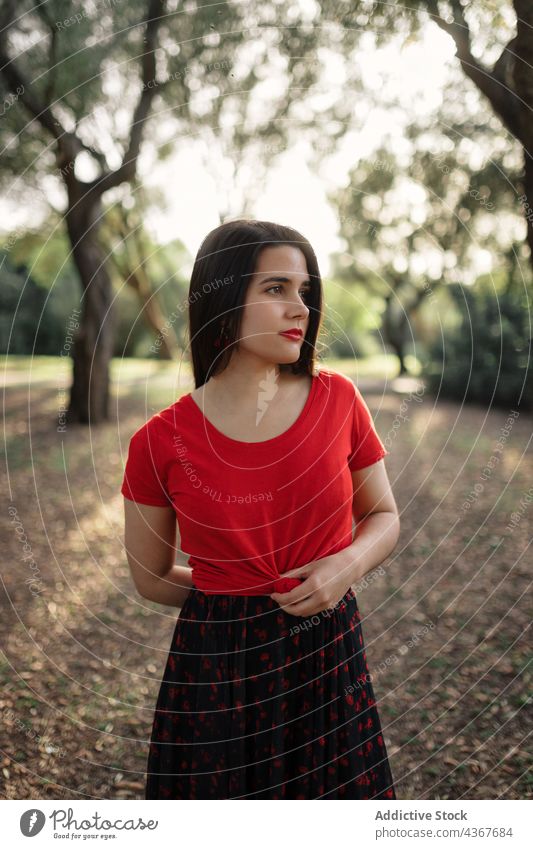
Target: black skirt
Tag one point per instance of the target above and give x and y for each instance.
(256, 703)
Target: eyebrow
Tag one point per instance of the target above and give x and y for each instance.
(278, 279)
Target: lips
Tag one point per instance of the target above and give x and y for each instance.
(292, 334)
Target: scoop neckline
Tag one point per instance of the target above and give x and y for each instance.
(274, 440)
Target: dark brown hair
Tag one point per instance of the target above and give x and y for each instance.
(222, 272)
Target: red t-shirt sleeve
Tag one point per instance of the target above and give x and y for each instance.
(142, 475)
(367, 447)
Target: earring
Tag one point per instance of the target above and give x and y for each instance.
(222, 337)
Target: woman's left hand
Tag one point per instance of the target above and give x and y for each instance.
(326, 581)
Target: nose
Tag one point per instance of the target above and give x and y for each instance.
(298, 309)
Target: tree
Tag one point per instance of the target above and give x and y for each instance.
(505, 82)
(128, 249)
(410, 227)
(485, 358)
(93, 347)
(507, 85)
(79, 99)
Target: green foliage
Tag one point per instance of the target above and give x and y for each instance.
(131, 333)
(39, 289)
(351, 316)
(486, 358)
(46, 254)
(85, 63)
(28, 324)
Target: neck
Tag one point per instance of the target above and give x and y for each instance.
(241, 381)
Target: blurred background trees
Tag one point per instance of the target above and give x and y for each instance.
(87, 77)
(431, 217)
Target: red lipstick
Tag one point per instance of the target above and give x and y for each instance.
(293, 333)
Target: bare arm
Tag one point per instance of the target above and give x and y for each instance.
(152, 543)
(377, 521)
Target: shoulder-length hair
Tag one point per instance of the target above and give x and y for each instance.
(220, 278)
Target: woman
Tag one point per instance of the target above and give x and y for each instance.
(266, 692)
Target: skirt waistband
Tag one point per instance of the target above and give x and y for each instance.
(278, 585)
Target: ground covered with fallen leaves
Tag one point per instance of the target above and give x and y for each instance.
(446, 623)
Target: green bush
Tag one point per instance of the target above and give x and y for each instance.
(486, 357)
(28, 324)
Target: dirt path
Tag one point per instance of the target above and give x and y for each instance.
(446, 624)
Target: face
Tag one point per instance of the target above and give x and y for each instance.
(276, 301)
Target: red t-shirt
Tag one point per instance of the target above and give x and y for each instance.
(249, 511)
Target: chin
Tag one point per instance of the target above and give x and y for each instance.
(287, 358)
(280, 357)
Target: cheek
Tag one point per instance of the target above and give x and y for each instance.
(259, 317)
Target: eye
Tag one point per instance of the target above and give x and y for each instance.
(305, 293)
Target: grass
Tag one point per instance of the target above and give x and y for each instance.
(382, 366)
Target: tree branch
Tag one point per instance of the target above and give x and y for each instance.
(127, 168)
(77, 144)
(495, 84)
(97, 154)
(68, 144)
(16, 81)
(52, 62)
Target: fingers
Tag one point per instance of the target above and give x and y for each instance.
(292, 609)
(292, 597)
(303, 606)
(308, 606)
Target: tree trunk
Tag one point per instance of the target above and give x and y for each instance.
(132, 269)
(399, 351)
(93, 343)
(394, 331)
(165, 342)
(403, 367)
(523, 82)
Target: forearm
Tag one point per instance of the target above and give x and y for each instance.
(375, 538)
(172, 588)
